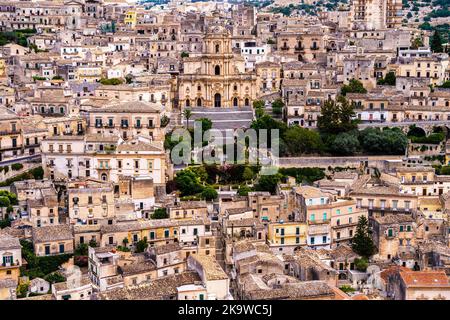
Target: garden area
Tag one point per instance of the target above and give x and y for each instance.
(36, 173)
(202, 182)
(46, 267)
(18, 36)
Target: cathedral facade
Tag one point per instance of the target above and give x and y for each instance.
(216, 78)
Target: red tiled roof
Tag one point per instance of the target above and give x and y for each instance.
(424, 278)
(392, 270)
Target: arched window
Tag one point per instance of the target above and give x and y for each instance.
(188, 103)
(217, 48)
(217, 100)
(247, 102)
(217, 70)
(104, 177)
(199, 102)
(235, 102)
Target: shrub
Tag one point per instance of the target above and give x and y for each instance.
(111, 82)
(244, 190)
(361, 264)
(347, 289)
(54, 277)
(164, 121)
(160, 213)
(434, 138)
(141, 245)
(209, 193)
(16, 166)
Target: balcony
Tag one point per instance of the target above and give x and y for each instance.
(103, 168)
(314, 48)
(299, 48)
(345, 225)
(124, 125)
(321, 221)
(109, 125)
(284, 48)
(98, 125)
(138, 126)
(9, 132)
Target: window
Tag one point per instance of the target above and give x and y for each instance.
(401, 228)
(324, 216)
(217, 70)
(312, 217)
(312, 240)
(166, 233)
(324, 239)
(350, 209)
(152, 235)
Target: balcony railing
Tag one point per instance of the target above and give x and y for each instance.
(9, 132)
(285, 48)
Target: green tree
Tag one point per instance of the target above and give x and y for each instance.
(344, 144)
(141, 245)
(248, 174)
(361, 264)
(258, 105)
(362, 242)
(416, 43)
(209, 193)
(268, 183)
(4, 202)
(125, 241)
(244, 190)
(277, 106)
(206, 124)
(187, 114)
(386, 141)
(389, 80)
(436, 42)
(93, 243)
(164, 121)
(81, 250)
(184, 54)
(54, 277)
(188, 183)
(160, 213)
(354, 86)
(5, 223)
(301, 141)
(336, 117)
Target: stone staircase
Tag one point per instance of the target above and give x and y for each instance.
(223, 118)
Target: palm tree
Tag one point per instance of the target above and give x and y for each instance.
(187, 113)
